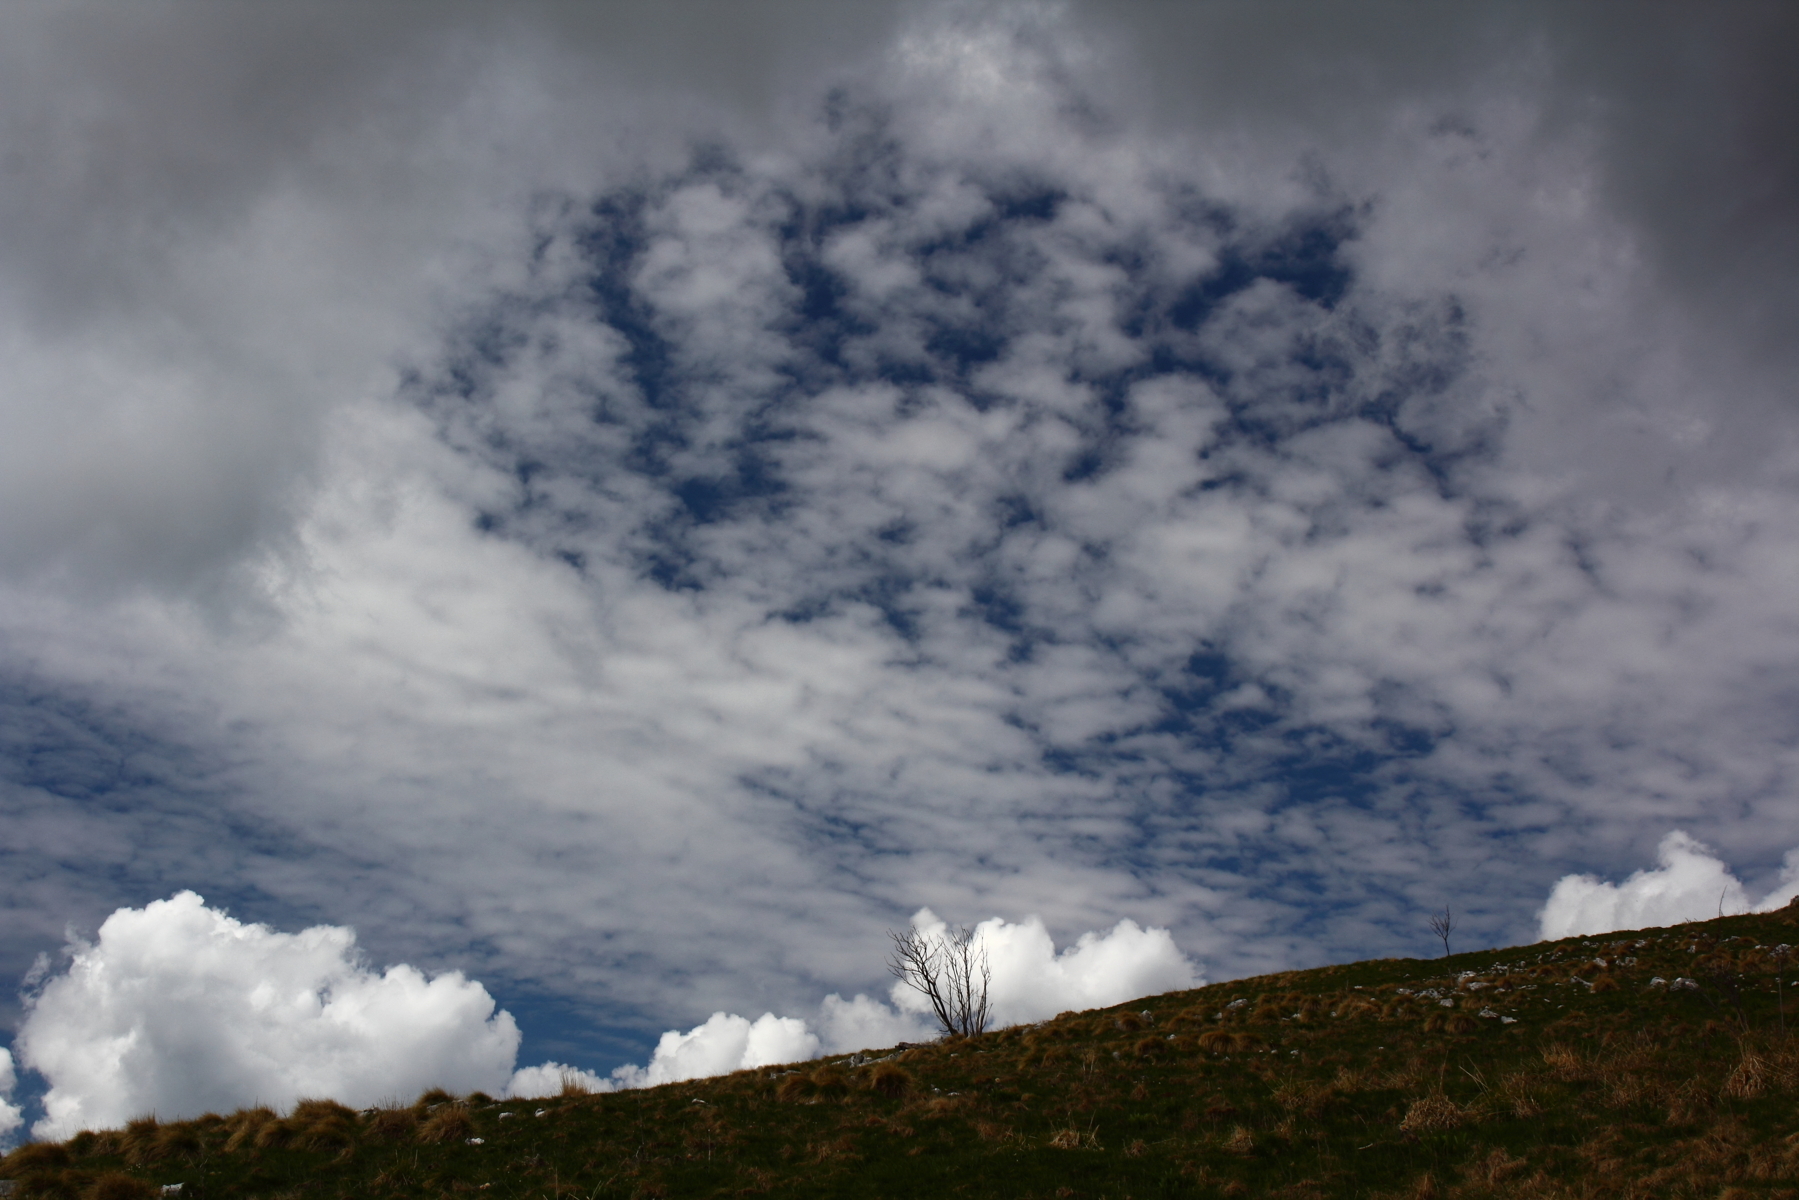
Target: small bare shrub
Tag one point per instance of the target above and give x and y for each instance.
(1443, 925)
(952, 974)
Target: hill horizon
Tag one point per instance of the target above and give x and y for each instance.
(1653, 1062)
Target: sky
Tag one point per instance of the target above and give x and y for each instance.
(587, 517)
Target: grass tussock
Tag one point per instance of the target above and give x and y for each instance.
(891, 1080)
(448, 1123)
(1432, 1113)
(1530, 1072)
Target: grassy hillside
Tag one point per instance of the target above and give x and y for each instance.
(1652, 1064)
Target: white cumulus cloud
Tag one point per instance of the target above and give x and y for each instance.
(10, 1116)
(177, 1009)
(1031, 981)
(1689, 884)
(723, 1043)
(845, 1025)
(550, 1078)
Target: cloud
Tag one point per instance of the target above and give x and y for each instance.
(552, 1079)
(11, 1117)
(863, 1022)
(177, 1009)
(1689, 884)
(1032, 982)
(724, 1043)
(1250, 507)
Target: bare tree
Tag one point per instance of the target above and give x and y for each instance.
(1443, 924)
(951, 972)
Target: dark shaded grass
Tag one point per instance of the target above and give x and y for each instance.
(1330, 1082)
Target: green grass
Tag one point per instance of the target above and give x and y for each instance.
(1341, 1081)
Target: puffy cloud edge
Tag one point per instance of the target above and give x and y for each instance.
(1688, 883)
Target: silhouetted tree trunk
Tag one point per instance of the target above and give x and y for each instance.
(950, 972)
(1443, 924)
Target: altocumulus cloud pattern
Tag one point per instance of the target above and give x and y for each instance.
(632, 543)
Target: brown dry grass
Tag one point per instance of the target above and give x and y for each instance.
(450, 1123)
(993, 1131)
(393, 1123)
(116, 1185)
(245, 1125)
(891, 1079)
(1433, 1112)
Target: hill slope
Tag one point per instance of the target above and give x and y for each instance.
(1650, 1064)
